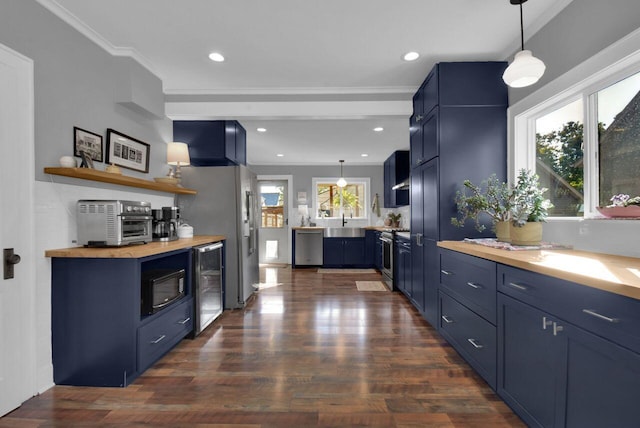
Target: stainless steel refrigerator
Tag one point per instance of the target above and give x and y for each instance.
(226, 204)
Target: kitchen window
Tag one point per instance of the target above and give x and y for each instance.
(331, 201)
(584, 142)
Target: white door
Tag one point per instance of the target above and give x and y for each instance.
(274, 222)
(17, 295)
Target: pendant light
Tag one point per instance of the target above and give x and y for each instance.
(525, 69)
(341, 181)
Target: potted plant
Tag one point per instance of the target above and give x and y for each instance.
(491, 198)
(529, 208)
(393, 219)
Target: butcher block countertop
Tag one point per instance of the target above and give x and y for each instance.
(134, 251)
(616, 274)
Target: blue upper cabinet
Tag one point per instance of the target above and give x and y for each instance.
(452, 84)
(396, 171)
(213, 142)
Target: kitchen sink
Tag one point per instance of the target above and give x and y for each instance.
(344, 232)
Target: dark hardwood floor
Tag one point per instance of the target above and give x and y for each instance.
(308, 351)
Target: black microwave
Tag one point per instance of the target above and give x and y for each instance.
(160, 288)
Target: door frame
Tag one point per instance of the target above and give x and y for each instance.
(27, 323)
(289, 180)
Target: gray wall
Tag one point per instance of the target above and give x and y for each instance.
(77, 83)
(579, 31)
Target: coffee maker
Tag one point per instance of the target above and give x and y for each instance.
(165, 223)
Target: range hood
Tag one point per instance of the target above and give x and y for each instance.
(401, 186)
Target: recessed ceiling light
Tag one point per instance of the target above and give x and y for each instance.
(215, 56)
(280, 155)
(364, 155)
(411, 56)
(261, 129)
(378, 129)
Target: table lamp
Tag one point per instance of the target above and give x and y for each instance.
(178, 155)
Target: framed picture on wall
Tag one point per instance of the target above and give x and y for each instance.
(127, 152)
(87, 142)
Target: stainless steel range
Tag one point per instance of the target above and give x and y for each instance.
(387, 238)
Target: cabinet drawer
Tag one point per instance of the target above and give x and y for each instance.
(471, 280)
(163, 332)
(608, 315)
(473, 337)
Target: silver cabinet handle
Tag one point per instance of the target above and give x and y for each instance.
(446, 319)
(475, 344)
(158, 340)
(546, 323)
(518, 286)
(600, 316)
(419, 118)
(557, 328)
(184, 321)
(473, 285)
(446, 272)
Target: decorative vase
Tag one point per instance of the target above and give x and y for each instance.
(503, 231)
(529, 234)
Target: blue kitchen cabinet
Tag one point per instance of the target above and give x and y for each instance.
(396, 171)
(212, 142)
(568, 355)
(344, 252)
(372, 250)
(459, 132)
(98, 331)
(402, 266)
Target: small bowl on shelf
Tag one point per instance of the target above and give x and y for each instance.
(630, 211)
(166, 180)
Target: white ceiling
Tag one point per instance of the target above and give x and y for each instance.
(319, 75)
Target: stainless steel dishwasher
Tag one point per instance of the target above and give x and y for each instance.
(308, 250)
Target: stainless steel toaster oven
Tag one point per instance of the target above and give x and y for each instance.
(107, 223)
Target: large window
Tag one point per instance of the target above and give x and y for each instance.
(583, 142)
(331, 201)
(619, 139)
(559, 158)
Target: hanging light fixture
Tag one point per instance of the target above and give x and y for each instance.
(341, 181)
(525, 69)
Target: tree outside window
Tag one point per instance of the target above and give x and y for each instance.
(333, 201)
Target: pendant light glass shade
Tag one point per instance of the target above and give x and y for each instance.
(341, 181)
(525, 70)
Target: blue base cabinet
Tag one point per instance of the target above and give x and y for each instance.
(99, 337)
(568, 355)
(344, 252)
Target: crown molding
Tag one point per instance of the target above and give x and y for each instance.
(296, 91)
(68, 17)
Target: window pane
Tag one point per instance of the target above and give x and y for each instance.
(618, 139)
(272, 206)
(559, 159)
(328, 200)
(333, 201)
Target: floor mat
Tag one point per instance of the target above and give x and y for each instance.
(371, 286)
(346, 271)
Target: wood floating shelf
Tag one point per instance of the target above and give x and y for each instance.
(123, 180)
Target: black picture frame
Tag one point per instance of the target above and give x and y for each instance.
(88, 142)
(127, 152)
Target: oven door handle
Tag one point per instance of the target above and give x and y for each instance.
(207, 248)
(387, 241)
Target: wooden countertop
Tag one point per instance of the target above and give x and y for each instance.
(134, 251)
(616, 274)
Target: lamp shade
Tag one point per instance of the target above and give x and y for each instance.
(341, 182)
(178, 154)
(525, 70)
